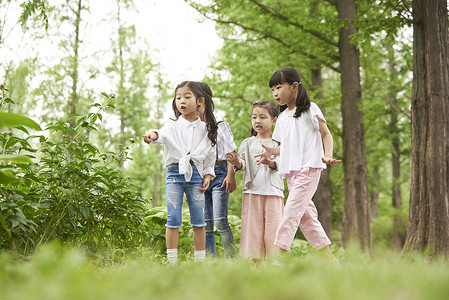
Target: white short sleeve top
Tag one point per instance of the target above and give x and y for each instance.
(300, 138)
(225, 140)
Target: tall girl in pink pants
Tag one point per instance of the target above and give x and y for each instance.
(301, 130)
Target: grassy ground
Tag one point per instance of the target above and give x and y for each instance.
(69, 274)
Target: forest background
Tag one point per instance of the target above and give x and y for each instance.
(87, 179)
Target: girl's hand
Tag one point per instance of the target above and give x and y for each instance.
(206, 182)
(330, 161)
(150, 137)
(229, 182)
(234, 159)
(265, 157)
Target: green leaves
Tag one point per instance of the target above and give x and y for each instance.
(34, 7)
(10, 120)
(17, 159)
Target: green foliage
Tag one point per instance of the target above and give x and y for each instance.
(34, 7)
(10, 120)
(156, 219)
(14, 120)
(72, 193)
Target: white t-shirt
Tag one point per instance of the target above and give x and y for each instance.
(300, 138)
(261, 185)
(225, 140)
(185, 141)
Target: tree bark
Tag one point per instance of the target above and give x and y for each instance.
(356, 219)
(398, 224)
(374, 203)
(428, 225)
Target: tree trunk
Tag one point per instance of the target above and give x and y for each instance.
(157, 181)
(398, 224)
(322, 199)
(121, 40)
(356, 219)
(75, 61)
(157, 175)
(428, 225)
(374, 207)
(323, 195)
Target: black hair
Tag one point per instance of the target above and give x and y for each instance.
(290, 76)
(206, 88)
(270, 107)
(198, 90)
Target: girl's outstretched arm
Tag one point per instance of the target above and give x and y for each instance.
(328, 142)
(150, 137)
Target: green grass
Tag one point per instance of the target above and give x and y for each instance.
(57, 273)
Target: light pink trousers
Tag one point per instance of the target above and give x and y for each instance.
(300, 211)
(261, 215)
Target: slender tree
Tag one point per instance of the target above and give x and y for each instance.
(73, 73)
(356, 220)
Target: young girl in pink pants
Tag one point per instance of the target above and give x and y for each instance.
(263, 197)
(301, 130)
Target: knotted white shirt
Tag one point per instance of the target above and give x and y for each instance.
(185, 141)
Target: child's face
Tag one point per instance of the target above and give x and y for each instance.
(187, 103)
(262, 121)
(285, 94)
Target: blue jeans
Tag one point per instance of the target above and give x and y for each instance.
(175, 187)
(216, 213)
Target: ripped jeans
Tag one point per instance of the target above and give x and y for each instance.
(175, 187)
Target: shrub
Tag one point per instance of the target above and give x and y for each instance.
(71, 192)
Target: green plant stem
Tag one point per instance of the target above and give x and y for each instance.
(4, 148)
(3, 98)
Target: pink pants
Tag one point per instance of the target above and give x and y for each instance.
(300, 211)
(261, 215)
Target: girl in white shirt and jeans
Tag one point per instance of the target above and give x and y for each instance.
(301, 130)
(189, 156)
(218, 193)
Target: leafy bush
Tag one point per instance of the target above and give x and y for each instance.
(71, 191)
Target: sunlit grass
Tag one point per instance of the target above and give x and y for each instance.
(56, 273)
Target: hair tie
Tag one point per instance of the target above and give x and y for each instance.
(257, 101)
